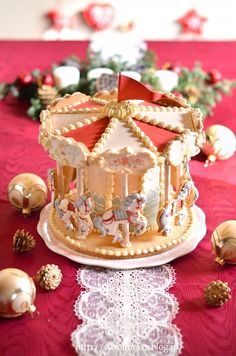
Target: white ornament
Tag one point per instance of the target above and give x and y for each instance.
(220, 143)
(168, 79)
(97, 72)
(65, 76)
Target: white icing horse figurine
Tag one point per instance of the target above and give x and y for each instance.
(166, 218)
(187, 196)
(84, 207)
(108, 223)
(64, 213)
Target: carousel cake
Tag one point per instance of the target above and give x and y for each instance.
(121, 187)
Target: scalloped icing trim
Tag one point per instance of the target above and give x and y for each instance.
(123, 252)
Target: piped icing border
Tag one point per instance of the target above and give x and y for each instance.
(124, 253)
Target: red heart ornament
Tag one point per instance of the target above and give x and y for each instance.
(98, 16)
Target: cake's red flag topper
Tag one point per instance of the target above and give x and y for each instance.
(131, 89)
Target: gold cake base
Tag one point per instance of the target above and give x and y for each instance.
(148, 244)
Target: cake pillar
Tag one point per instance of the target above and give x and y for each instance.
(125, 227)
(60, 180)
(79, 182)
(167, 182)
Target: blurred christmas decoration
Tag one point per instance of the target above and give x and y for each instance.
(49, 276)
(217, 293)
(17, 293)
(98, 16)
(202, 89)
(126, 26)
(23, 241)
(192, 22)
(27, 192)
(223, 241)
(47, 94)
(220, 143)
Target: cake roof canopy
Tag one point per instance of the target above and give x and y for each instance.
(89, 134)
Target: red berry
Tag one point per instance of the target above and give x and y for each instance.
(214, 76)
(25, 78)
(48, 80)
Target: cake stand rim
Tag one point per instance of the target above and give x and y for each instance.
(180, 250)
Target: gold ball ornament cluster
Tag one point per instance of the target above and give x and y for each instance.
(27, 192)
(220, 143)
(17, 293)
(49, 276)
(23, 241)
(217, 293)
(223, 242)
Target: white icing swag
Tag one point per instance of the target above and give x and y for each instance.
(126, 312)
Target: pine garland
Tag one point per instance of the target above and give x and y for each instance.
(196, 85)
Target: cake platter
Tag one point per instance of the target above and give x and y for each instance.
(184, 248)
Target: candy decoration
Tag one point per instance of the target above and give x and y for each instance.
(27, 192)
(23, 241)
(17, 293)
(49, 276)
(223, 241)
(217, 293)
(191, 22)
(98, 16)
(220, 143)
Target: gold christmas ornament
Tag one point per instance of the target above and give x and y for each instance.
(220, 144)
(27, 192)
(17, 293)
(49, 276)
(47, 94)
(193, 93)
(223, 241)
(217, 293)
(23, 241)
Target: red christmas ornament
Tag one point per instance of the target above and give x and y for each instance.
(98, 16)
(25, 78)
(191, 22)
(214, 76)
(48, 80)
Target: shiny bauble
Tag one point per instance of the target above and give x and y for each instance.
(220, 143)
(214, 76)
(17, 293)
(27, 192)
(223, 242)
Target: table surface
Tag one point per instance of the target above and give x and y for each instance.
(205, 331)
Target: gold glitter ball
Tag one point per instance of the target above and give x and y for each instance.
(217, 293)
(49, 276)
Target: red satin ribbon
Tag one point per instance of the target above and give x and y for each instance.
(129, 88)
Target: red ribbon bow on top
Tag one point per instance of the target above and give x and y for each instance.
(131, 89)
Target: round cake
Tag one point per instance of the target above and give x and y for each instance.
(121, 187)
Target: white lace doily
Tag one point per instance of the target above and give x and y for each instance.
(126, 312)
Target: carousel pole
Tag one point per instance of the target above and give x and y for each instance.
(125, 227)
(167, 182)
(79, 182)
(60, 180)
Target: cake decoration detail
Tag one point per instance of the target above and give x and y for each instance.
(122, 171)
(108, 223)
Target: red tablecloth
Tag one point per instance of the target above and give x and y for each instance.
(205, 331)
